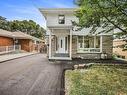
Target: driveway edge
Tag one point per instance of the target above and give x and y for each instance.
(18, 57)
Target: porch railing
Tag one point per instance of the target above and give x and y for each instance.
(89, 50)
(8, 49)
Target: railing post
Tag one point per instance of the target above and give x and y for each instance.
(19, 47)
(14, 47)
(6, 49)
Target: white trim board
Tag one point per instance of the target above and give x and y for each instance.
(61, 58)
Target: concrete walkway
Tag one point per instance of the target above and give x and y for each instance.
(8, 57)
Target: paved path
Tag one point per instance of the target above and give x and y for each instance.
(31, 75)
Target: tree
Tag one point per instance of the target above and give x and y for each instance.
(108, 14)
(4, 24)
(30, 27)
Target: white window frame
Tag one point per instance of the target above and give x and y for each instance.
(88, 50)
(59, 19)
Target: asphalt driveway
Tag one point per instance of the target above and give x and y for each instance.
(32, 75)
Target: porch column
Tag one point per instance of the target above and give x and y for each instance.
(50, 42)
(70, 44)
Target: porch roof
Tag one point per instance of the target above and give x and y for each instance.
(60, 27)
(87, 31)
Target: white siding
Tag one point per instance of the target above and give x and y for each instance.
(52, 19)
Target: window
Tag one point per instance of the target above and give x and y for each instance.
(97, 42)
(80, 41)
(88, 44)
(61, 19)
(61, 43)
(66, 43)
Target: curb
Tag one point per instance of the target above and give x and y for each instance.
(17, 57)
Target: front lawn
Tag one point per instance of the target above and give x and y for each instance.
(97, 80)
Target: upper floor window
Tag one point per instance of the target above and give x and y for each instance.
(61, 19)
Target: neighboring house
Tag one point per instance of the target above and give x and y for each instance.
(64, 43)
(6, 38)
(18, 40)
(38, 44)
(120, 48)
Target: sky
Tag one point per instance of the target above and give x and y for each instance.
(28, 9)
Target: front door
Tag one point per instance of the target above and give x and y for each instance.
(61, 44)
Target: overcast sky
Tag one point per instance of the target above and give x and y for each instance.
(28, 9)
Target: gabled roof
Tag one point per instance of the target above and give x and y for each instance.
(6, 33)
(21, 35)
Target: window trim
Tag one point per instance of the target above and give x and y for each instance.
(89, 49)
(56, 43)
(66, 43)
(61, 43)
(59, 19)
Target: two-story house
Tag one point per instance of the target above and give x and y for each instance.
(64, 43)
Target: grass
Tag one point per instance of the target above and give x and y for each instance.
(97, 80)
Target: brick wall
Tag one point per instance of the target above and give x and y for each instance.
(107, 45)
(5, 41)
(53, 45)
(26, 44)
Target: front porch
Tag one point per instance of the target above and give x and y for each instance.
(60, 44)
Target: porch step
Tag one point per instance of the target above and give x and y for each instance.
(60, 58)
(61, 55)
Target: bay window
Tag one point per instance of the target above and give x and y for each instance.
(88, 44)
